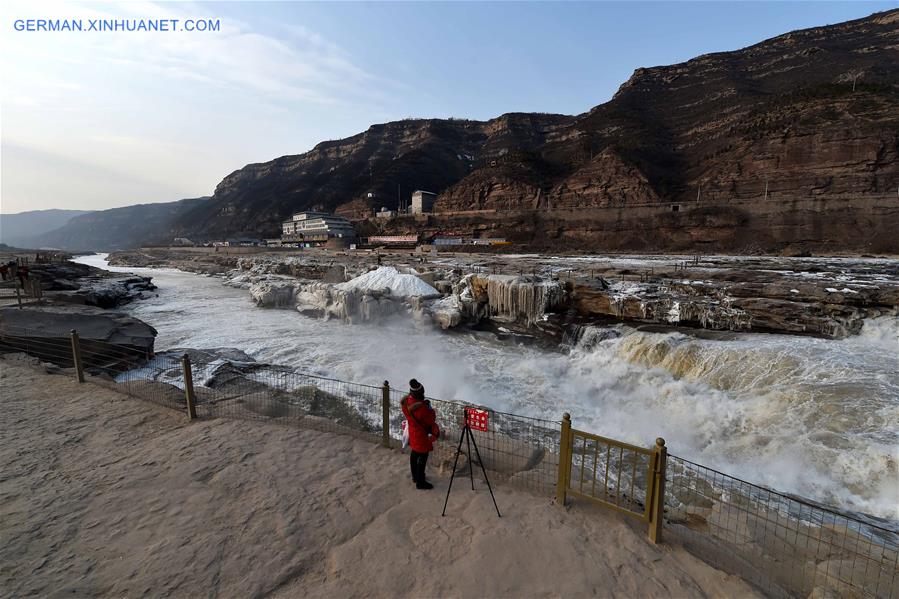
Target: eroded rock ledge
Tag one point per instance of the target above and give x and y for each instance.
(44, 330)
(83, 284)
(824, 297)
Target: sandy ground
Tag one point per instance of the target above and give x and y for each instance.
(102, 494)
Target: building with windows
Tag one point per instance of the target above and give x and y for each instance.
(316, 227)
(422, 201)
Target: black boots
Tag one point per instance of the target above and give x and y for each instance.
(417, 463)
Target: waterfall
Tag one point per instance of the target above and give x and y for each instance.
(585, 337)
(522, 298)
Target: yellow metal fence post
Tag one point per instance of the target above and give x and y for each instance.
(656, 513)
(564, 460)
(189, 387)
(385, 415)
(76, 356)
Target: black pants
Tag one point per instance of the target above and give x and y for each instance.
(417, 462)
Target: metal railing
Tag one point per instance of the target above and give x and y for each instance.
(614, 474)
(785, 546)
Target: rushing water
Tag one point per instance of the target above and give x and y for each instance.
(815, 417)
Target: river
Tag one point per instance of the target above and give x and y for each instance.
(814, 417)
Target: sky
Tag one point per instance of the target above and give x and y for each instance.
(93, 120)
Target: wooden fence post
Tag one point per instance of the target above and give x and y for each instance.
(76, 357)
(656, 513)
(385, 414)
(564, 460)
(189, 387)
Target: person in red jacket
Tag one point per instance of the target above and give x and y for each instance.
(423, 431)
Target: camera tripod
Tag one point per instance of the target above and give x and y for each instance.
(469, 440)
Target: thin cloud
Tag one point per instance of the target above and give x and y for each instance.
(165, 110)
(298, 64)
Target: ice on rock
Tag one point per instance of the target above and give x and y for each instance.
(522, 297)
(273, 294)
(388, 277)
(674, 312)
(446, 312)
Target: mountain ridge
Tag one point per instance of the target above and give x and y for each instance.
(711, 122)
(803, 115)
(20, 227)
(118, 228)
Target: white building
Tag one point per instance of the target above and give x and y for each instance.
(422, 201)
(316, 226)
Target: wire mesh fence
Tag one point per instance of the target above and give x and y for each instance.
(519, 450)
(134, 372)
(292, 398)
(785, 546)
(119, 366)
(56, 349)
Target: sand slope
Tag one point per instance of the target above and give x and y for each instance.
(101, 494)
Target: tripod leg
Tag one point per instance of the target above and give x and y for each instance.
(453, 475)
(470, 461)
(478, 452)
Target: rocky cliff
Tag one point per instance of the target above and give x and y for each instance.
(803, 116)
(807, 114)
(369, 170)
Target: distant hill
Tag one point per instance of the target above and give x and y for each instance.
(19, 230)
(118, 228)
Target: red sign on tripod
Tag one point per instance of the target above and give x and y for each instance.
(476, 419)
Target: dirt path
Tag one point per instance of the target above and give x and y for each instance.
(101, 494)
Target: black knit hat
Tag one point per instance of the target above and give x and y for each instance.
(416, 389)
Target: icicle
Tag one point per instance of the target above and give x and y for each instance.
(522, 297)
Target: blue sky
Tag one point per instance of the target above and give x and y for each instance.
(96, 120)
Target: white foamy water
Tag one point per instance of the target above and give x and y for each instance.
(815, 417)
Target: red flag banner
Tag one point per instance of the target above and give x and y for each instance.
(476, 419)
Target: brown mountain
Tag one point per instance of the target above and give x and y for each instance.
(812, 113)
(388, 161)
(809, 115)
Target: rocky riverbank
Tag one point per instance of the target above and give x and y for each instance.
(75, 297)
(825, 297)
(75, 283)
(108, 340)
(208, 263)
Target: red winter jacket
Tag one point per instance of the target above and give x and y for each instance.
(422, 420)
